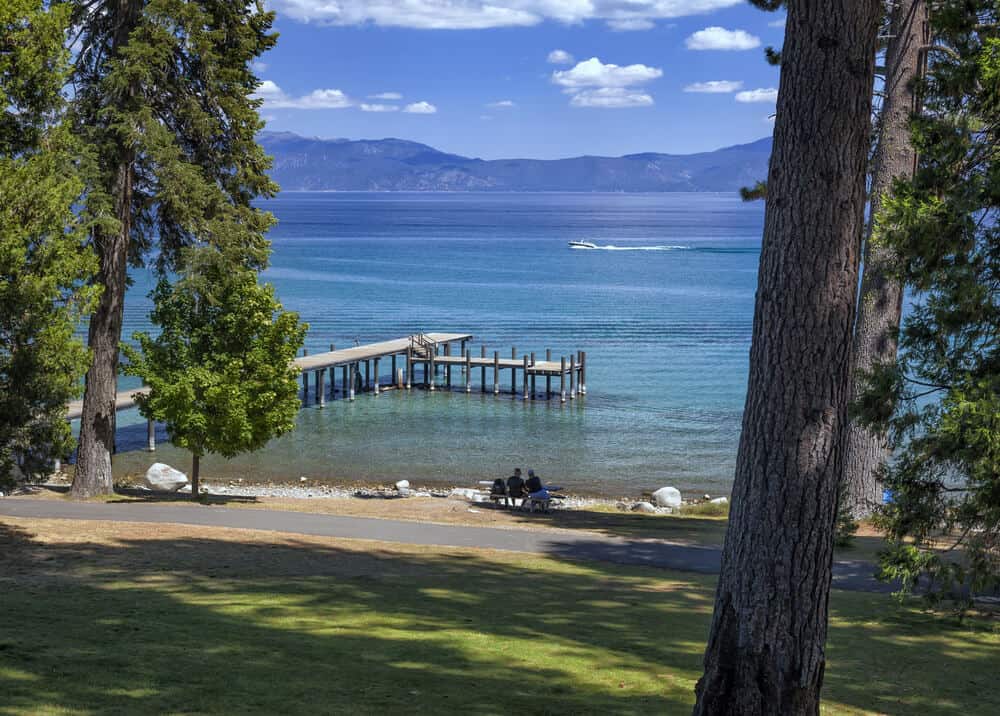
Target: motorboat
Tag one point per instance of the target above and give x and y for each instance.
(582, 245)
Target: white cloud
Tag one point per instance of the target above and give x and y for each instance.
(777, 23)
(259, 66)
(719, 38)
(482, 14)
(275, 98)
(502, 104)
(631, 24)
(611, 98)
(386, 95)
(379, 108)
(560, 57)
(420, 108)
(714, 86)
(594, 73)
(762, 94)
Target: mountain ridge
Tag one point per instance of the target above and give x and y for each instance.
(392, 164)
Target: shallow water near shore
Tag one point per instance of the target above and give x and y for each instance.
(664, 311)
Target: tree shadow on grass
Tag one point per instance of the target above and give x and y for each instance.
(691, 530)
(215, 626)
(270, 624)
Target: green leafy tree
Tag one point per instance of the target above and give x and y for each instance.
(940, 404)
(220, 372)
(163, 94)
(43, 258)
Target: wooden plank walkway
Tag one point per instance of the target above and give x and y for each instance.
(371, 351)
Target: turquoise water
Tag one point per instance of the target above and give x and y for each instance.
(664, 313)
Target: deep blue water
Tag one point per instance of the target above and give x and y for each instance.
(664, 313)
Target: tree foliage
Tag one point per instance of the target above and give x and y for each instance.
(177, 93)
(164, 96)
(220, 372)
(43, 258)
(940, 404)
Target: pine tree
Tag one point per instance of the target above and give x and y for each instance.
(220, 371)
(163, 95)
(940, 404)
(880, 305)
(44, 261)
(766, 648)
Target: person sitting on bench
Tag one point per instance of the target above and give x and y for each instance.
(498, 490)
(539, 492)
(515, 488)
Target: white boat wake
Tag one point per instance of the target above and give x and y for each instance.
(612, 247)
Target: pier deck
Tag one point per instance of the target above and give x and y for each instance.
(431, 351)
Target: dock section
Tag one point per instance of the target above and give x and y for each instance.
(438, 356)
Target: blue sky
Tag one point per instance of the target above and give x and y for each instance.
(483, 78)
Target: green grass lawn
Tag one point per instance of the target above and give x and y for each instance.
(114, 620)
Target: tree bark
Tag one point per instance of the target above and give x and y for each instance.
(97, 423)
(195, 476)
(880, 306)
(765, 653)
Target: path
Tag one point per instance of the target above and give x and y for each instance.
(850, 575)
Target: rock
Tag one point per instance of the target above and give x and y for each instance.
(2, 494)
(163, 478)
(644, 507)
(708, 497)
(465, 492)
(622, 506)
(403, 485)
(719, 500)
(667, 497)
(303, 478)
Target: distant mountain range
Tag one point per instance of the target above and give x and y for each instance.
(302, 163)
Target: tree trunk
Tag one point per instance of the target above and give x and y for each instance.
(881, 304)
(195, 476)
(765, 653)
(97, 423)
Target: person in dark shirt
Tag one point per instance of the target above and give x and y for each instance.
(534, 484)
(515, 488)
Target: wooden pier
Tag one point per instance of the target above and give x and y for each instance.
(360, 370)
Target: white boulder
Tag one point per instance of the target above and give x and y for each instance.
(645, 507)
(667, 497)
(163, 478)
(719, 500)
(465, 492)
(403, 485)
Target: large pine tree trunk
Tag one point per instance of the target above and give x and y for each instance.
(881, 304)
(765, 654)
(97, 423)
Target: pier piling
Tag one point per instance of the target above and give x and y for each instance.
(532, 376)
(562, 380)
(482, 371)
(548, 377)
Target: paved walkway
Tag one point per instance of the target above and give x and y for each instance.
(851, 575)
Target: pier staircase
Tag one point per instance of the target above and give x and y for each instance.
(422, 346)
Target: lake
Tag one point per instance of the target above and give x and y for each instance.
(664, 311)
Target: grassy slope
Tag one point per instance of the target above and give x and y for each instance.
(127, 619)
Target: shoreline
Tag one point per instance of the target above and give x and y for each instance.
(313, 490)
